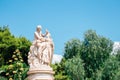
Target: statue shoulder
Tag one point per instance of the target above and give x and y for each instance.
(35, 32)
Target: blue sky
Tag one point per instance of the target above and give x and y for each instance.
(65, 19)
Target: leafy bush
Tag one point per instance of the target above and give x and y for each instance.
(3, 78)
(15, 69)
(9, 43)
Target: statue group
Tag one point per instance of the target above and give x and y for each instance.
(40, 56)
(41, 50)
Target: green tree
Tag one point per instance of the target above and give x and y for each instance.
(75, 69)
(71, 51)
(24, 46)
(72, 48)
(95, 51)
(111, 69)
(118, 55)
(59, 69)
(13, 65)
(9, 43)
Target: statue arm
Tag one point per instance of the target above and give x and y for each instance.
(45, 34)
(37, 36)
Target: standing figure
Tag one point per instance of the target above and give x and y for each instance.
(38, 41)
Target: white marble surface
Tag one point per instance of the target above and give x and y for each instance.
(41, 76)
(40, 56)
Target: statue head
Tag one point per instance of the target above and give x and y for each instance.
(39, 27)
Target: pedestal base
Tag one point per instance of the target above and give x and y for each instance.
(40, 75)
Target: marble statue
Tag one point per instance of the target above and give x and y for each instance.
(41, 52)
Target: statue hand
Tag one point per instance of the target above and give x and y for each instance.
(46, 31)
(42, 39)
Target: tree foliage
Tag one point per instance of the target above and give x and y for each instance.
(118, 55)
(86, 59)
(13, 65)
(59, 69)
(95, 51)
(15, 69)
(9, 43)
(111, 68)
(75, 69)
(72, 48)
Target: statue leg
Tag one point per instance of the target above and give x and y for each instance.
(40, 53)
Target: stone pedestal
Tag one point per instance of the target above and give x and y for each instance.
(43, 73)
